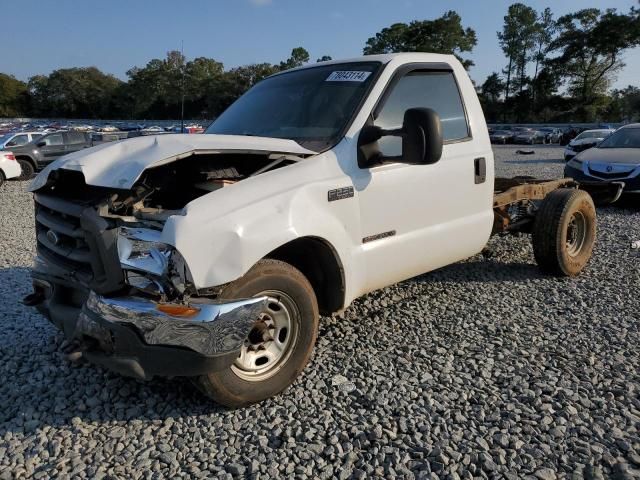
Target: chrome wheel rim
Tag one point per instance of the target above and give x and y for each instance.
(576, 233)
(271, 340)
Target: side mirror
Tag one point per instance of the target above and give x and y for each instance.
(10, 144)
(421, 135)
(41, 144)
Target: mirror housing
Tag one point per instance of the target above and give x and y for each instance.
(421, 135)
(41, 144)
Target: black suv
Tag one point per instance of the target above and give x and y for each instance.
(34, 155)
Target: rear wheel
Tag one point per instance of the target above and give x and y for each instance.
(564, 232)
(2, 178)
(27, 169)
(280, 342)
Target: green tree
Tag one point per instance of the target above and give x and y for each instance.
(441, 35)
(299, 56)
(493, 87)
(516, 40)
(545, 29)
(324, 58)
(625, 104)
(589, 47)
(490, 93)
(73, 93)
(13, 96)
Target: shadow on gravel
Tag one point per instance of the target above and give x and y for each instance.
(484, 271)
(43, 388)
(39, 387)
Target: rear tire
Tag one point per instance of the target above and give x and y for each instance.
(27, 169)
(564, 232)
(2, 178)
(290, 321)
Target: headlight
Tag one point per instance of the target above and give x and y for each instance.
(575, 163)
(140, 249)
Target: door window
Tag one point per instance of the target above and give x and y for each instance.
(436, 90)
(75, 137)
(51, 140)
(19, 140)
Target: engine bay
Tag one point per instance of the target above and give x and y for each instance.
(164, 190)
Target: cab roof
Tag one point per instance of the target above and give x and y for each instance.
(405, 57)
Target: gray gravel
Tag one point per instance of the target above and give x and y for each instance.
(484, 369)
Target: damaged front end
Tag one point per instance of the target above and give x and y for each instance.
(123, 297)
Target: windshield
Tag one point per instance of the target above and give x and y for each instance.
(593, 134)
(310, 106)
(623, 138)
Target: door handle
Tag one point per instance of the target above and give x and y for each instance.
(480, 170)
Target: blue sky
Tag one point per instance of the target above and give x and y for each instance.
(114, 35)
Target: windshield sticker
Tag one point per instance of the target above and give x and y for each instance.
(348, 76)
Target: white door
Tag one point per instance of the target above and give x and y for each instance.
(415, 218)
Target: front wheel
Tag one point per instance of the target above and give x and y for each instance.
(280, 342)
(27, 169)
(564, 232)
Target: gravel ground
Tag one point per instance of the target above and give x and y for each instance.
(484, 369)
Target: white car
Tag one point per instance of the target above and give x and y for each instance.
(9, 167)
(18, 138)
(584, 141)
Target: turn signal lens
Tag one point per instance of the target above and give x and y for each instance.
(177, 310)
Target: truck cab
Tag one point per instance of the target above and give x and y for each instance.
(212, 256)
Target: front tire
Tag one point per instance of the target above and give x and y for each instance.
(280, 343)
(27, 169)
(564, 232)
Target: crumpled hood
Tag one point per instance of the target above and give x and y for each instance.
(629, 156)
(120, 164)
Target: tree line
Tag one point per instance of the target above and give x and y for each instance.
(556, 70)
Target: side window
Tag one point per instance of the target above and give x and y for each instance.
(20, 140)
(35, 136)
(54, 139)
(436, 90)
(75, 137)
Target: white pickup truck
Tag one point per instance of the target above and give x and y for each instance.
(212, 256)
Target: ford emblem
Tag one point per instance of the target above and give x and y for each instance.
(53, 237)
(609, 168)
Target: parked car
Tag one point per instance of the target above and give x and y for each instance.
(615, 158)
(552, 135)
(40, 152)
(211, 256)
(529, 137)
(501, 136)
(584, 141)
(9, 167)
(17, 139)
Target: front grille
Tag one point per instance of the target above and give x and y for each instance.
(609, 175)
(60, 238)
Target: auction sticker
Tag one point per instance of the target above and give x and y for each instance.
(348, 76)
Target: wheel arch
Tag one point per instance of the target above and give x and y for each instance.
(319, 261)
(28, 159)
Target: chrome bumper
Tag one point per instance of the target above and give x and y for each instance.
(216, 329)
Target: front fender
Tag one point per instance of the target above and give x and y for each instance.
(219, 248)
